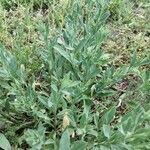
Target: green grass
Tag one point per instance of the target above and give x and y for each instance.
(74, 75)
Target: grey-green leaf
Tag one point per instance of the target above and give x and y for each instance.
(4, 143)
(65, 141)
(106, 131)
(62, 53)
(109, 115)
(79, 145)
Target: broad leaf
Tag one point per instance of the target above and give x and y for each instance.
(4, 143)
(78, 145)
(109, 116)
(107, 131)
(65, 141)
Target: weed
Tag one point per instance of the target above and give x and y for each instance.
(60, 88)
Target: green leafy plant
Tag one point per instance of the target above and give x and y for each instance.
(61, 89)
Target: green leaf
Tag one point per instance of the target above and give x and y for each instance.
(103, 148)
(133, 62)
(62, 53)
(43, 100)
(109, 115)
(78, 145)
(35, 138)
(65, 141)
(107, 131)
(67, 82)
(4, 143)
(145, 61)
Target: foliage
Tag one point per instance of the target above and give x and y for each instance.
(121, 10)
(59, 89)
(4, 142)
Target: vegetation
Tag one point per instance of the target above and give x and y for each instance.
(74, 74)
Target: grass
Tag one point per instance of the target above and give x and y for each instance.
(74, 75)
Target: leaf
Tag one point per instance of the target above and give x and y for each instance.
(109, 115)
(133, 62)
(62, 53)
(67, 82)
(65, 141)
(4, 143)
(4, 74)
(43, 100)
(107, 131)
(103, 148)
(78, 145)
(145, 61)
(35, 138)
